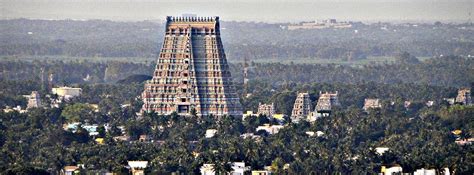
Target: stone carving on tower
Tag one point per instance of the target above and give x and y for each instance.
(464, 96)
(301, 108)
(192, 73)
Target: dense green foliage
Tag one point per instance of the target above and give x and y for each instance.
(444, 71)
(259, 41)
(418, 136)
(71, 72)
(449, 71)
(416, 139)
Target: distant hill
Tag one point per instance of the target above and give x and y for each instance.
(134, 79)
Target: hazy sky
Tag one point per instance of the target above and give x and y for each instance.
(243, 10)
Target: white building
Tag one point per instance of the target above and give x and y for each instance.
(210, 133)
(261, 172)
(425, 172)
(67, 92)
(70, 170)
(270, 129)
(381, 150)
(91, 129)
(396, 169)
(238, 168)
(138, 167)
(429, 103)
(17, 108)
(317, 133)
(249, 135)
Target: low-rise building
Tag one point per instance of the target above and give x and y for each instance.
(271, 129)
(248, 114)
(138, 167)
(425, 172)
(450, 101)
(249, 135)
(144, 138)
(238, 168)
(70, 170)
(323, 24)
(407, 104)
(371, 104)
(122, 138)
(457, 132)
(310, 133)
(317, 133)
(17, 109)
(429, 103)
(463, 142)
(67, 92)
(210, 133)
(280, 117)
(261, 172)
(392, 170)
(100, 141)
(91, 129)
(381, 150)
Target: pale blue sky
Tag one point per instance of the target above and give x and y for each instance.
(243, 10)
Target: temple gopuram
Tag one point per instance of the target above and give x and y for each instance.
(192, 74)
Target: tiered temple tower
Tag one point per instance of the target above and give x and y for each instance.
(464, 96)
(326, 101)
(266, 109)
(192, 71)
(302, 107)
(324, 105)
(34, 100)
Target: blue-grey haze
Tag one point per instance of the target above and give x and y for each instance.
(243, 10)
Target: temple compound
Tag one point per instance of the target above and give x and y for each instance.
(302, 107)
(192, 74)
